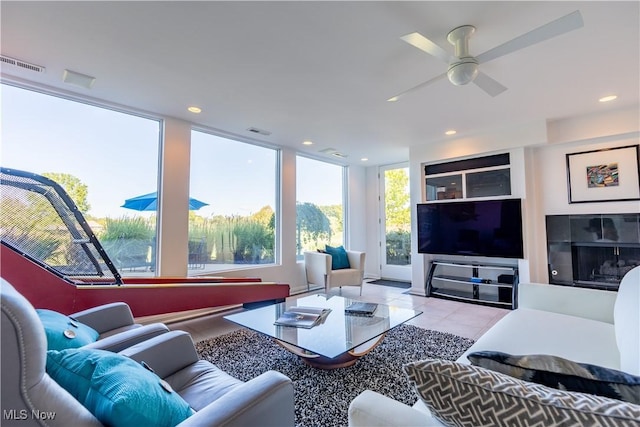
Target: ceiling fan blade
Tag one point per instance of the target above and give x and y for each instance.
(567, 23)
(426, 45)
(487, 84)
(421, 85)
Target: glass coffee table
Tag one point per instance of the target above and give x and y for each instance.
(337, 342)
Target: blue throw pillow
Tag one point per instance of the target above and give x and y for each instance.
(339, 259)
(117, 390)
(562, 374)
(63, 332)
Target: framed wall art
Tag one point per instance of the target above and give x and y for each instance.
(611, 174)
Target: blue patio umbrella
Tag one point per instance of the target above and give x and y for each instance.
(149, 202)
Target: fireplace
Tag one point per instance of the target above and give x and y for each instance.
(592, 250)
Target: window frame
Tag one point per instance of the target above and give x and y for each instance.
(117, 108)
(277, 253)
(344, 179)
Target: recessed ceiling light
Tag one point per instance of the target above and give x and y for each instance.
(608, 98)
(307, 142)
(195, 110)
(364, 159)
(392, 99)
(450, 132)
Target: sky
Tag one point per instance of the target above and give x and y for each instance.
(116, 156)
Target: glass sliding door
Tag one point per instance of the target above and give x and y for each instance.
(395, 223)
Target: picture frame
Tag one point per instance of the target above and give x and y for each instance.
(606, 175)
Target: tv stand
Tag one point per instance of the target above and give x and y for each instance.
(487, 284)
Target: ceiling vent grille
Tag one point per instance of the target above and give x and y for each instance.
(22, 64)
(328, 151)
(259, 131)
(333, 152)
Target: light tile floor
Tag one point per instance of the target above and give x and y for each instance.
(463, 319)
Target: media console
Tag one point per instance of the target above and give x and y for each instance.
(487, 284)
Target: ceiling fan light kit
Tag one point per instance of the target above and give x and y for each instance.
(463, 71)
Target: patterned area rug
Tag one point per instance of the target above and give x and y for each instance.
(322, 397)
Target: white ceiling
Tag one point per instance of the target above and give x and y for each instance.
(324, 70)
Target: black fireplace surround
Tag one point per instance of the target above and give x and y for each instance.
(593, 250)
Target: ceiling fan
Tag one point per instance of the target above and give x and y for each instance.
(463, 67)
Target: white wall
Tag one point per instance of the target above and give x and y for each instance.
(538, 167)
(551, 164)
(510, 140)
(173, 221)
(573, 135)
(372, 205)
(357, 210)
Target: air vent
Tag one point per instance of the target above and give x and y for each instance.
(22, 64)
(259, 131)
(328, 151)
(333, 152)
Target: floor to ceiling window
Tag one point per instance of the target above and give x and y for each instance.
(238, 182)
(101, 157)
(319, 205)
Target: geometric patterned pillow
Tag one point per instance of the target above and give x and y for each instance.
(465, 395)
(563, 374)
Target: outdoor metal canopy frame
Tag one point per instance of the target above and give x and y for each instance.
(41, 222)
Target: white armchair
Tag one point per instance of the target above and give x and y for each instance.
(318, 268)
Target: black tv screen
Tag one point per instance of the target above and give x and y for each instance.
(491, 228)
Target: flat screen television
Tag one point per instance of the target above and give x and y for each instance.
(490, 228)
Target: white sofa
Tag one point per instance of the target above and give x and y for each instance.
(584, 325)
